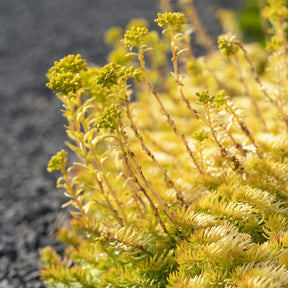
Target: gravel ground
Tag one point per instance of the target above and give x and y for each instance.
(33, 34)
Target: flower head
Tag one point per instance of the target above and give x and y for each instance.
(137, 22)
(109, 119)
(107, 76)
(58, 161)
(115, 74)
(275, 43)
(64, 75)
(135, 37)
(276, 10)
(220, 98)
(227, 45)
(205, 98)
(173, 21)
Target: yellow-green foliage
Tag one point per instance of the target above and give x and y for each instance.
(186, 186)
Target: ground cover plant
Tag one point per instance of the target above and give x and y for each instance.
(187, 185)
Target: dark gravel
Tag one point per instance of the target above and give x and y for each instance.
(33, 34)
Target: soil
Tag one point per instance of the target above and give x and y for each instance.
(33, 34)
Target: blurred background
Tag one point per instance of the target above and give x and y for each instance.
(33, 34)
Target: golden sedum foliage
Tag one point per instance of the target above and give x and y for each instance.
(186, 186)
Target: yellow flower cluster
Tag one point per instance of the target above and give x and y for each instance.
(135, 37)
(275, 10)
(109, 119)
(173, 21)
(58, 161)
(64, 75)
(205, 98)
(226, 45)
(115, 74)
(275, 43)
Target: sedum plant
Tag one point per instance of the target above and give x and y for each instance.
(186, 186)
